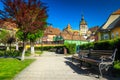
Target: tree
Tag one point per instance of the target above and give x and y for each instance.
(6, 38)
(29, 15)
(32, 38)
(10, 41)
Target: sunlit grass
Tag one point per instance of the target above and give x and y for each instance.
(39, 52)
(9, 67)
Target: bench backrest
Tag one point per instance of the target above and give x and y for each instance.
(97, 54)
(84, 53)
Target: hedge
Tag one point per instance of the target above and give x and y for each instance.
(71, 48)
(104, 45)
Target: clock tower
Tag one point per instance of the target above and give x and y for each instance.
(83, 26)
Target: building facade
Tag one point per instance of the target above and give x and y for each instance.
(111, 28)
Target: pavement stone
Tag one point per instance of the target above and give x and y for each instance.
(51, 66)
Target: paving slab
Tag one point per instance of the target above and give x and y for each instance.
(52, 66)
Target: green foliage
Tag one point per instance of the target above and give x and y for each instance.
(100, 45)
(87, 46)
(39, 52)
(10, 67)
(104, 45)
(4, 36)
(71, 48)
(12, 53)
(116, 70)
(2, 53)
(20, 35)
(32, 37)
(117, 65)
(27, 53)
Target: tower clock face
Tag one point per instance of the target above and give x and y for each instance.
(83, 27)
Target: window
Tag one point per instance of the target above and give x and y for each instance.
(106, 36)
(112, 36)
(117, 34)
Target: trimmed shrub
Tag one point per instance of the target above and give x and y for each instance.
(117, 65)
(71, 48)
(87, 46)
(12, 53)
(104, 45)
(116, 69)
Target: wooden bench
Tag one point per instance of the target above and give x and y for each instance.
(103, 59)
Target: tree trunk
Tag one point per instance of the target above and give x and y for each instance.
(32, 48)
(23, 52)
(7, 47)
(17, 46)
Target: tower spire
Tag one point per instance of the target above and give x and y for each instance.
(83, 26)
(82, 17)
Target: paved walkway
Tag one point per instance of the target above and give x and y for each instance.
(51, 66)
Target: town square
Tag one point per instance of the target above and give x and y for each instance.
(59, 40)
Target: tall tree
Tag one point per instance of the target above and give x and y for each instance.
(6, 38)
(32, 37)
(29, 15)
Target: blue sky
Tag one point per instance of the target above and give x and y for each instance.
(96, 12)
(62, 12)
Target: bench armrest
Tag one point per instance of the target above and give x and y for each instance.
(105, 58)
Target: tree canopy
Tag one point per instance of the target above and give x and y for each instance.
(29, 15)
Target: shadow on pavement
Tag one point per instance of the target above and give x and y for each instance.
(76, 68)
(86, 71)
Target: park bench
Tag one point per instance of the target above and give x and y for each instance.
(103, 59)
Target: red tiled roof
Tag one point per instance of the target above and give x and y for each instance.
(52, 31)
(94, 29)
(68, 35)
(8, 25)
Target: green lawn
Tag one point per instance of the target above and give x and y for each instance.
(9, 67)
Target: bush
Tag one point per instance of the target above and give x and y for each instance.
(117, 65)
(116, 68)
(104, 45)
(2, 53)
(87, 46)
(12, 53)
(71, 48)
(101, 45)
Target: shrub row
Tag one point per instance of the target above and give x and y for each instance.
(101, 45)
(71, 48)
(12, 53)
(104, 45)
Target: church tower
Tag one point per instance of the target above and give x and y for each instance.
(83, 26)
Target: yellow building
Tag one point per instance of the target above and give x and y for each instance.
(111, 28)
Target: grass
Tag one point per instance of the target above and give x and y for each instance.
(117, 68)
(38, 52)
(117, 65)
(9, 67)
